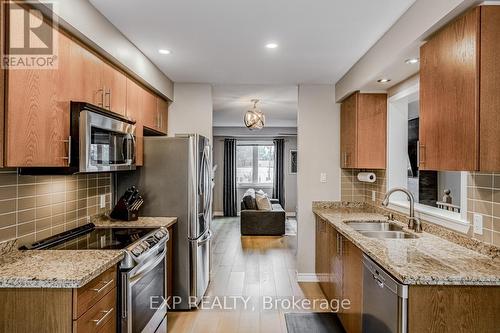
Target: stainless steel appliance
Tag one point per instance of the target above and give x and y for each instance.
(176, 180)
(142, 272)
(385, 301)
(102, 140)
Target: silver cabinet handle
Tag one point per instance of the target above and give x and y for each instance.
(101, 103)
(421, 154)
(337, 243)
(105, 315)
(107, 94)
(106, 284)
(69, 150)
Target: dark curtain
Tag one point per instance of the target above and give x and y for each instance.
(279, 180)
(230, 208)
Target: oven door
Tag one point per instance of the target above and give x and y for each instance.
(106, 144)
(143, 295)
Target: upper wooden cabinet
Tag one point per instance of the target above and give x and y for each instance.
(363, 126)
(37, 124)
(134, 111)
(162, 109)
(37, 113)
(459, 100)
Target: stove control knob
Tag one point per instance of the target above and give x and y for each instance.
(159, 234)
(145, 245)
(136, 251)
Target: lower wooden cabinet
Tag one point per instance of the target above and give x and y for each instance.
(341, 262)
(91, 308)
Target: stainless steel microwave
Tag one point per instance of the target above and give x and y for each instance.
(99, 141)
(105, 141)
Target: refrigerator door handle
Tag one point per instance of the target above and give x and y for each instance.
(199, 237)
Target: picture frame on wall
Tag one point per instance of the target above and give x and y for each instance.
(293, 162)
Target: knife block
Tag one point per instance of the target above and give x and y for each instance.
(123, 212)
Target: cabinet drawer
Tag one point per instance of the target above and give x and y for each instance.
(85, 297)
(99, 318)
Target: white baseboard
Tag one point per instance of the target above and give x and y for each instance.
(291, 214)
(218, 213)
(307, 277)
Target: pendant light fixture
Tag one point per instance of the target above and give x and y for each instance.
(254, 118)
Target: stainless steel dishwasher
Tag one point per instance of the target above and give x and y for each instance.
(385, 301)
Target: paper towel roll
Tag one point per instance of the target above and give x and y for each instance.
(368, 177)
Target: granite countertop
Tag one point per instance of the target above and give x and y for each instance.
(142, 222)
(54, 268)
(68, 268)
(426, 260)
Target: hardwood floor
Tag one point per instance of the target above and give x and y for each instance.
(252, 267)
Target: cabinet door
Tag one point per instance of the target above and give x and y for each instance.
(114, 84)
(371, 131)
(134, 111)
(150, 114)
(352, 286)
(85, 75)
(449, 118)
(490, 87)
(348, 131)
(162, 109)
(322, 256)
(37, 115)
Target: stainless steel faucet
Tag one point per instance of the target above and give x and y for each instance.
(413, 222)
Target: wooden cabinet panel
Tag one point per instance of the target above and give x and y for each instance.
(336, 268)
(363, 131)
(453, 309)
(86, 75)
(37, 117)
(490, 88)
(449, 87)
(114, 84)
(352, 286)
(162, 109)
(150, 110)
(35, 310)
(372, 131)
(134, 111)
(348, 131)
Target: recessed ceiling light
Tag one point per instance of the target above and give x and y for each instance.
(271, 45)
(164, 51)
(383, 80)
(412, 61)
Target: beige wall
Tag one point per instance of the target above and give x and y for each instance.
(318, 145)
(33, 208)
(192, 110)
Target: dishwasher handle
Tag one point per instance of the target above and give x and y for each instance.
(384, 279)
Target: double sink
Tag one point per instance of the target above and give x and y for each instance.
(380, 229)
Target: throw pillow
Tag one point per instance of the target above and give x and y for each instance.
(263, 202)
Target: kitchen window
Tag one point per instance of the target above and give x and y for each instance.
(254, 164)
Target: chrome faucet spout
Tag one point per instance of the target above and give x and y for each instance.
(413, 223)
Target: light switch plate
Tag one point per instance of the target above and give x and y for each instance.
(322, 177)
(102, 201)
(478, 224)
(373, 195)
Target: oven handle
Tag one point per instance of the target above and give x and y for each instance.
(136, 276)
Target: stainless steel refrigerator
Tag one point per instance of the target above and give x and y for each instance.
(176, 180)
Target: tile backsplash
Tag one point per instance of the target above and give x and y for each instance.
(36, 207)
(483, 197)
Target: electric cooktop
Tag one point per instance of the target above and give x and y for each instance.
(88, 237)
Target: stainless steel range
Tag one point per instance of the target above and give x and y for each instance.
(142, 272)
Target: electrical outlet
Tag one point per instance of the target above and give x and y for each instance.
(102, 201)
(478, 224)
(322, 177)
(374, 196)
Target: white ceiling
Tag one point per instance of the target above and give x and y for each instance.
(222, 41)
(279, 104)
